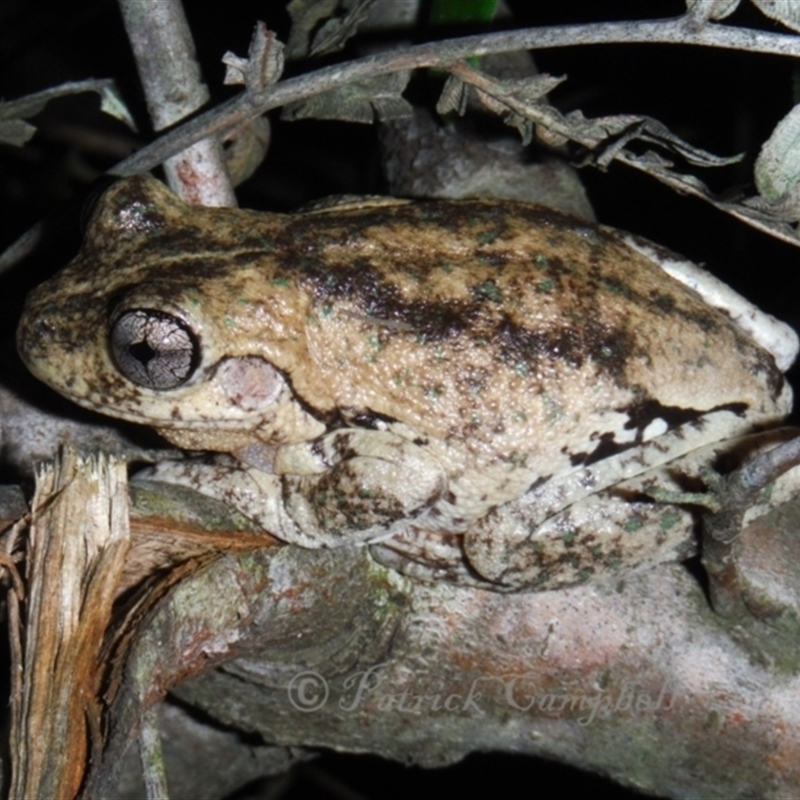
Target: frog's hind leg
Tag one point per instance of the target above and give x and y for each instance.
(599, 537)
(560, 493)
(555, 537)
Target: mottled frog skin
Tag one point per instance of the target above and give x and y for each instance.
(487, 389)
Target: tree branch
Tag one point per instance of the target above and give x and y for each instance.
(246, 106)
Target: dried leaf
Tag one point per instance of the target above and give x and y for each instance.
(263, 65)
(658, 133)
(785, 11)
(246, 148)
(535, 88)
(711, 9)
(524, 126)
(453, 97)
(528, 91)
(520, 102)
(777, 168)
(623, 129)
(606, 138)
(357, 102)
(111, 103)
(306, 15)
(16, 132)
(524, 90)
(332, 35)
(785, 210)
(235, 69)
(13, 130)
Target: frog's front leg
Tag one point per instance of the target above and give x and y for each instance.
(351, 485)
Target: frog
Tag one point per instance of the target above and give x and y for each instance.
(485, 392)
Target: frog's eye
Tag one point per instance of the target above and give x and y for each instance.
(154, 349)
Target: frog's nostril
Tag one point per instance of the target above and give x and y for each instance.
(45, 328)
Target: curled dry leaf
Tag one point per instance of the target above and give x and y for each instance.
(335, 32)
(364, 101)
(263, 65)
(532, 90)
(608, 133)
(246, 148)
(777, 168)
(14, 130)
(332, 34)
(520, 103)
(785, 11)
(453, 97)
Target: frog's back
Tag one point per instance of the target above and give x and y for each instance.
(511, 327)
(500, 331)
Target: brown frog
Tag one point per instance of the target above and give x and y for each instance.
(488, 389)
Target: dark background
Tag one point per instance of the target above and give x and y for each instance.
(723, 101)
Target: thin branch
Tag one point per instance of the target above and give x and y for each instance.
(245, 106)
(165, 58)
(151, 755)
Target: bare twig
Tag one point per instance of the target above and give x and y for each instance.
(442, 54)
(239, 110)
(165, 58)
(152, 756)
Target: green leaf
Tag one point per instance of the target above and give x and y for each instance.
(444, 11)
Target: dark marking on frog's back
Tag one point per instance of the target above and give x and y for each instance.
(608, 347)
(483, 314)
(380, 299)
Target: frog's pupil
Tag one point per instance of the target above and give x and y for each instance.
(141, 351)
(154, 349)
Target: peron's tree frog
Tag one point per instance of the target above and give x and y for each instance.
(489, 390)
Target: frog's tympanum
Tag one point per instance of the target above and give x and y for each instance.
(491, 391)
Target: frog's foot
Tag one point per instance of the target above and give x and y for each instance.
(350, 486)
(768, 479)
(710, 500)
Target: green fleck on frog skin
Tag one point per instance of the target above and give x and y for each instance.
(485, 391)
